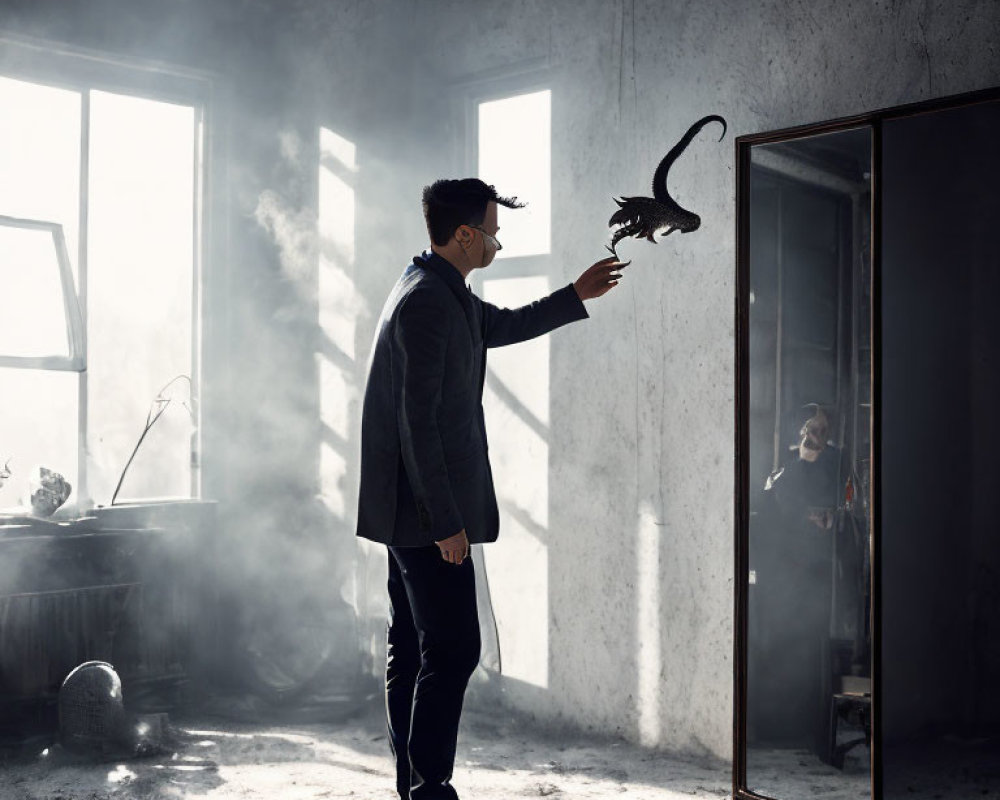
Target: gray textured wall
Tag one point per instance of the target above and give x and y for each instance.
(637, 593)
(640, 527)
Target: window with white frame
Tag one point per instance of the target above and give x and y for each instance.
(121, 173)
(514, 154)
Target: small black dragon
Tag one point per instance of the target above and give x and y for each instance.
(644, 216)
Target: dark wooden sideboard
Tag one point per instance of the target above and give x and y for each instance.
(131, 585)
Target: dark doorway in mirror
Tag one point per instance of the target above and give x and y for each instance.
(808, 655)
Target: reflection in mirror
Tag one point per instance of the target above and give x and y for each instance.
(808, 697)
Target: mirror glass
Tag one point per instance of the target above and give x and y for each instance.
(808, 700)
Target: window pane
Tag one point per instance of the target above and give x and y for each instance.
(140, 283)
(32, 309)
(38, 427)
(514, 156)
(40, 156)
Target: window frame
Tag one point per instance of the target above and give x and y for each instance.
(76, 359)
(81, 70)
(500, 84)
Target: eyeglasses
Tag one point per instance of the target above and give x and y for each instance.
(496, 242)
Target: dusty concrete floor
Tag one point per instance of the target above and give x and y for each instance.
(797, 774)
(498, 758)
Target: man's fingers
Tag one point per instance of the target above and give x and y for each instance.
(603, 276)
(454, 556)
(452, 547)
(606, 263)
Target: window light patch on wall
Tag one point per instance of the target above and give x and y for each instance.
(515, 156)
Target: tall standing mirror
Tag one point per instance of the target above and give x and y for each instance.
(808, 656)
(868, 480)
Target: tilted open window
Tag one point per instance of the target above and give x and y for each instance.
(41, 326)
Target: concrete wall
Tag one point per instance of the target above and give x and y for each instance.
(639, 529)
(627, 624)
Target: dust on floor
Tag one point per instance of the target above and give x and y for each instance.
(497, 758)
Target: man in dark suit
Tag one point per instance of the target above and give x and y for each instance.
(426, 485)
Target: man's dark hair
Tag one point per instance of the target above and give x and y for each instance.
(450, 203)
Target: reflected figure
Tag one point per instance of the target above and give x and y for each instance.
(806, 489)
(792, 560)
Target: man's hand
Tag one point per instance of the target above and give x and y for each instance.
(599, 278)
(454, 549)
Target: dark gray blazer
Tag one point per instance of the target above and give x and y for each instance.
(425, 470)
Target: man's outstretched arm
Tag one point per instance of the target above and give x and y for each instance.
(503, 326)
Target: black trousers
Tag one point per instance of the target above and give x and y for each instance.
(433, 651)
